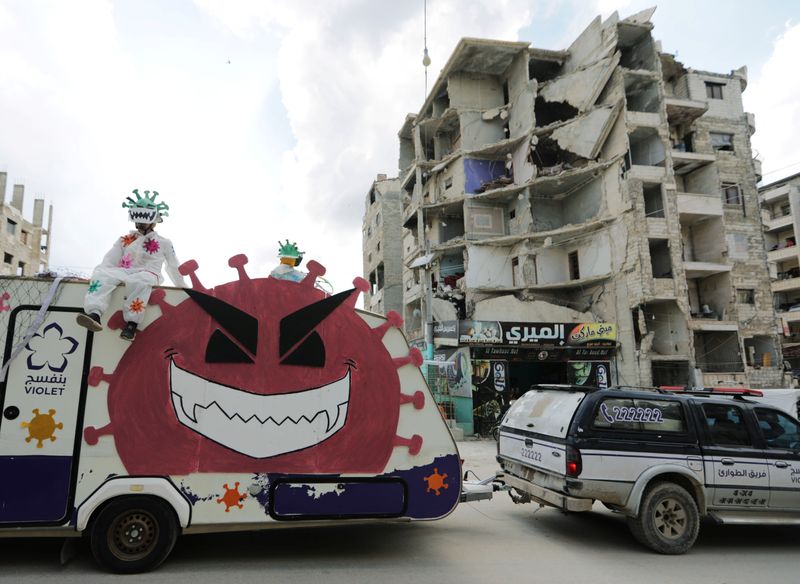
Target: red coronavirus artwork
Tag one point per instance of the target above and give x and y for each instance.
(257, 375)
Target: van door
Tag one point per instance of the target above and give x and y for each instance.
(42, 398)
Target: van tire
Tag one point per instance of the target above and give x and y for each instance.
(133, 534)
(668, 520)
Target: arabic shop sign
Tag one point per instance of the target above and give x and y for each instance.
(526, 334)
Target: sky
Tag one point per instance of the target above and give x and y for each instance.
(261, 121)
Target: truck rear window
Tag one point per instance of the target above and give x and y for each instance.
(643, 415)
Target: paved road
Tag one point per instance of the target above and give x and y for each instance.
(484, 542)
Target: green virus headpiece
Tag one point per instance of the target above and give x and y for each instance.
(289, 250)
(144, 209)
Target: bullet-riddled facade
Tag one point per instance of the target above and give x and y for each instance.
(25, 244)
(587, 215)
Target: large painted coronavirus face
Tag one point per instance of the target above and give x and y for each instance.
(257, 375)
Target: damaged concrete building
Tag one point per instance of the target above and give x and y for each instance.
(25, 244)
(381, 244)
(588, 215)
(780, 209)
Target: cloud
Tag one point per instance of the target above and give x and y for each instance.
(349, 71)
(774, 96)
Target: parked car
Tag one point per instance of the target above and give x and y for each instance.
(663, 459)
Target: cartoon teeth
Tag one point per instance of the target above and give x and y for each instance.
(259, 425)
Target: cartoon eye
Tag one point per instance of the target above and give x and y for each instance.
(221, 349)
(240, 325)
(309, 353)
(299, 343)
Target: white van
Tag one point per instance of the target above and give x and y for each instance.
(256, 403)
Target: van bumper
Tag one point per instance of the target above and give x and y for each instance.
(546, 496)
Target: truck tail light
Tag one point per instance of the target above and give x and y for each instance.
(574, 463)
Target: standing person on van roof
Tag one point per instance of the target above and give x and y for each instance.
(135, 260)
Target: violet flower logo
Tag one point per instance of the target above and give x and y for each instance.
(50, 349)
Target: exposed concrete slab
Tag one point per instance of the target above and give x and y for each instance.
(509, 307)
(585, 135)
(581, 88)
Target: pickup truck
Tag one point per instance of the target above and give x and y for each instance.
(663, 459)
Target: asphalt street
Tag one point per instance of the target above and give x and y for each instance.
(483, 542)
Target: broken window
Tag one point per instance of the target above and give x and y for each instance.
(760, 351)
(574, 268)
(448, 182)
(731, 195)
(23, 236)
(485, 175)
(718, 352)
(660, 258)
(8, 258)
(514, 267)
(714, 90)
(746, 296)
(670, 373)
(721, 142)
(653, 200)
(548, 112)
(646, 147)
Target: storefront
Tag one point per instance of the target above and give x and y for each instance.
(502, 360)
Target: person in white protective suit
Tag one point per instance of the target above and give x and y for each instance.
(135, 260)
(290, 257)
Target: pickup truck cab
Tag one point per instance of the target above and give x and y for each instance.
(664, 459)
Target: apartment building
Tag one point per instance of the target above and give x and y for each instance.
(588, 215)
(780, 209)
(381, 244)
(25, 245)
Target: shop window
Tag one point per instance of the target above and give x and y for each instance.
(714, 90)
(721, 142)
(574, 267)
(731, 195)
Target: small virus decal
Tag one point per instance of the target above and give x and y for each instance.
(232, 497)
(126, 261)
(436, 482)
(151, 246)
(137, 305)
(128, 239)
(94, 286)
(3, 299)
(42, 427)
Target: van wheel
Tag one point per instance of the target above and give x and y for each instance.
(133, 534)
(668, 521)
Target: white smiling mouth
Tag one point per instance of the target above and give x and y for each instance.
(258, 425)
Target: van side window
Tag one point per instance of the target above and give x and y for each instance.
(779, 429)
(726, 425)
(642, 415)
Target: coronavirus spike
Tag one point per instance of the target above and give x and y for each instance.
(315, 270)
(188, 269)
(92, 434)
(414, 357)
(97, 375)
(392, 320)
(418, 399)
(414, 443)
(238, 262)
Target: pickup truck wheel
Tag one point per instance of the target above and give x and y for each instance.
(668, 521)
(133, 534)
